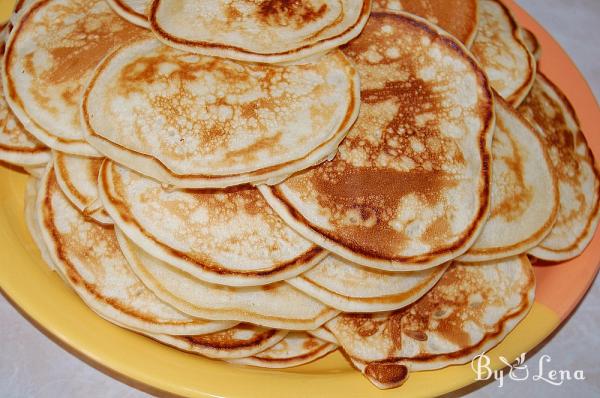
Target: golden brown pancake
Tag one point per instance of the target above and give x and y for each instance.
(195, 121)
(500, 49)
(468, 312)
(277, 305)
(47, 63)
(457, 17)
(525, 198)
(395, 196)
(240, 341)
(88, 256)
(353, 288)
(77, 176)
(268, 31)
(297, 348)
(230, 237)
(550, 111)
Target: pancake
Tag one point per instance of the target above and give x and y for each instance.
(46, 65)
(525, 197)
(268, 31)
(297, 348)
(550, 111)
(468, 312)
(409, 188)
(17, 146)
(230, 237)
(240, 341)
(533, 44)
(277, 305)
(457, 17)
(135, 11)
(259, 123)
(36, 171)
(77, 176)
(31, 220)
(323, 334)
(88, 256)
(352, 288)
(500, 49)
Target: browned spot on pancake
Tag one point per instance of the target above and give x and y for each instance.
(226, 339)
(458, 17)
(389, 374)
(248, 153)
(310, 344)
(363, 324)
(289, 12)
(416, 335)
(519, 195)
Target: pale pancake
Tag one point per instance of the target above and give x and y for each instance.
(77, 176)
(500, 49)
(353, 288)
(457, 17)
(533, 44)
(240, 341)
(468, 312)
(550, 111)
(135, 11)
(323, 334)
(525, 199)
(230, 237)
(17, 146)
(269, 31)
(88, 256)
(47, 63)
(409, 188)
(258, 122)
(297, 348)
(31, 219)
(278, 305)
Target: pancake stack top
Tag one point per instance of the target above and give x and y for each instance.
(224, 179)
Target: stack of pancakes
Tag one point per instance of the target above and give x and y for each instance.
(226, 179)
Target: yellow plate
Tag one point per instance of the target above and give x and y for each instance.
(41, 297)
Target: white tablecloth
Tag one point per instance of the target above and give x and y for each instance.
(33, 366)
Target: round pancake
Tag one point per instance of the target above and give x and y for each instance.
(268, 31)
(550, 111)
(409, 187)
(31, 220)
(17, 146)
(525, 197)
(88, 256)
(77, 176)
(470, 310)
(352, 288)
(457, 17)
(135, 11)
(501, 51)
(533, 44)
(47, 63)
(297, 348)
(258, 122)
(277, 305)
(240, 341)
(230, 237)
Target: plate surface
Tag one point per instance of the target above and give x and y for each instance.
(43, 299)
